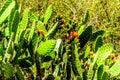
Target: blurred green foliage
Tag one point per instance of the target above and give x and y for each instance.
(104, 14)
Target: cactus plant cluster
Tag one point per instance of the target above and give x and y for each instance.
(33, 49)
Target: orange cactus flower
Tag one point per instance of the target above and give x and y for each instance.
(88, 65)
(62, 20)
(75, 34)
(71, 33)
(91, 54)
(41, 32)
(71, 38)
(112, 56)
(30, 8)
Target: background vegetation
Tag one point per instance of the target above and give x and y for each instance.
(104, 14)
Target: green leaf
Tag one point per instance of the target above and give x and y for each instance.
(56, 71)
(6, 4)
(59, 47)
(52, 31)
(115, 69)
(86, 17)
(10, 21)
(52, 54)
(9, 50)
(6, 31)
(77, 61)
(105, 76)
(84, 37)
(100, 72)
(32, 16)
(103, 52)
(96, 34)
(78, 78)
(34, 43)
(31, 31)
(118, 78)
(90, 72)
(7, 12)
(22, 26)
(24, 21)
(47, 14)
(64, 58)
(46, 65)
(15, 22)
(46, 47)
(57, 78)
(20, 8)
(87, 51)
(21, 40)
(81, 29)
(1, 50)
(98, 43)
